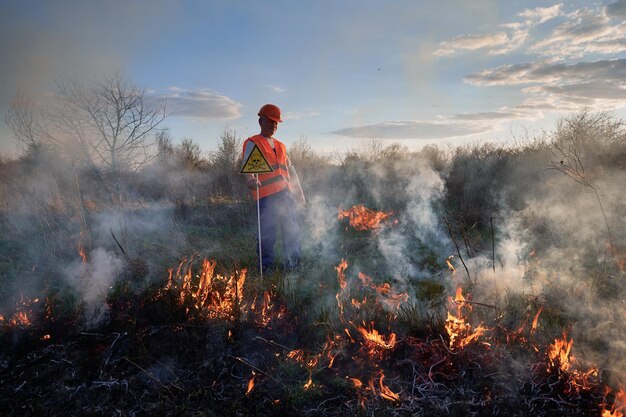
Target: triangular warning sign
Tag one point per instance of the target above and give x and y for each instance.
(256, 163)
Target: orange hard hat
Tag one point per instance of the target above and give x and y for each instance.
(270, 111)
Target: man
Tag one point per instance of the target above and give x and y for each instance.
(276, 192)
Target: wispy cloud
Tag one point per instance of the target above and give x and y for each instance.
(546, 72)
(511, 36)
(415, 129)
(203, 104)
(298, 115)
(504, 114)
(471, 43)
(275, 88)
(541, 14)
(584, 31)
(558, 86)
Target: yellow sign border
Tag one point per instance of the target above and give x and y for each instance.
(243, 168)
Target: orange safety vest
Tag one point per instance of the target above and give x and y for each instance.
(277, 180)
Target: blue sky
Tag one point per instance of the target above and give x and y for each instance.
(413, 72)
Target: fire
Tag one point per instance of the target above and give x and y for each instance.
(207, 294)
(384, 391)
(341, 273)
(356, 382)
(385, 294)
(362, 218)
(375, 338)
(619, 405)
(19, 319)
(559, 353)
(82, 254)
(23, 313)
(343, 285)
(561, 359)
(449, 263)
(459, 331)
(311, 361)
(251, 383)
(535, 321)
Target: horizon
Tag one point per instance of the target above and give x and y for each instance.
(450, 75)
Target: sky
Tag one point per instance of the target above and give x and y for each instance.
(343, 72)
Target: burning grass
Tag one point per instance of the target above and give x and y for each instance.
(228, 344)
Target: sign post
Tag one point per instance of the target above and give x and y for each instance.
(258, 216)
(257, 164)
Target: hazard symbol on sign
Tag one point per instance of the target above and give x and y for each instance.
(256, 163)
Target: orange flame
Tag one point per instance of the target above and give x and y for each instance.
(209, 295)
(533, 328)
(560, 357)
(251, 383)
(343, 285)
(459, 331)
(449, 263)
(341, 273)
(24, 309)
(559, 353)
(19, 318)
(374, 337)
(356, 382)
(385, 392)
(362, 218)
(619, 405)
(385, 293)
(82, 254)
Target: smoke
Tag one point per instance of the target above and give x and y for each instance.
(550, 235)
(418, 221)
(92, 280)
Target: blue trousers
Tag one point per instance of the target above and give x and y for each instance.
(278, 211)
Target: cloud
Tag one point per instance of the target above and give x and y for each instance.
(490, 115)
(591, 90)
(617, 9)
(203, 104)
(553, 86)
(585, 31)
(276, 88)
(471, 43)
(415, 129)
(514, 36)
(541, 14)
(599, 30)
(608, 70)
(298, 115)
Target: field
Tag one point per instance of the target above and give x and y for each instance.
(472, 281)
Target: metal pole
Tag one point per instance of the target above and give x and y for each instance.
(258, 214)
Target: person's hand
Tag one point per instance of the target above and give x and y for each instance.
(252, 183)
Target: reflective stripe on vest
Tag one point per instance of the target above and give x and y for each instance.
(278, 180)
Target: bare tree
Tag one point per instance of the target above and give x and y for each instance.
(22, 119)
(109, 124)
(226, 161)
(576, 139)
